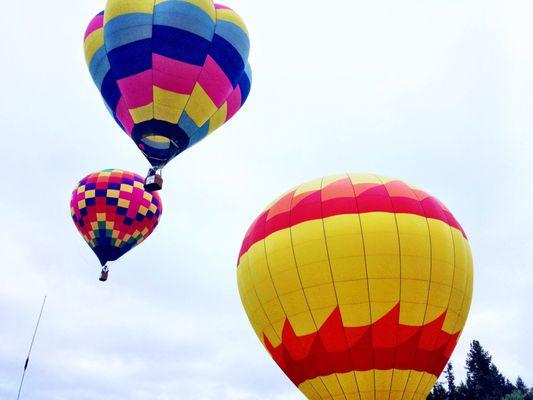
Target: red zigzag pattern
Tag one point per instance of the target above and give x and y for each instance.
(384, 345)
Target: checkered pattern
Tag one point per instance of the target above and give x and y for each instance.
(170, 71)
(113, 212)
(359, 286)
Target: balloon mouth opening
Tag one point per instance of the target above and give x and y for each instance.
(157, 142)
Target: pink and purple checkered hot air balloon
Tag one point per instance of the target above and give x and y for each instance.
(170, 71)
(114, 213)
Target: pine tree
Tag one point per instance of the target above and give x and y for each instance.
(450, 379)
(483, 380)
(439, 393)
(523, 389)
(516, 395)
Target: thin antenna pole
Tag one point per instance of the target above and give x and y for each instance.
(31, 347)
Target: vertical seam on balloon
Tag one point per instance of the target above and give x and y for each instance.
(449, 298)
(400, 294)
(429, 290)
(367, 279)
(334, 286)
(235, 88)
(111, 70)
(152, 60)
(247, 255)
(278, 297)
(207, 54)
(302, 286)
(451, 287)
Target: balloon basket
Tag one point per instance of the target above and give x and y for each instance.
(153, 182)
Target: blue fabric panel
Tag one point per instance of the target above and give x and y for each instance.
(199, 134)
(99, 67)
(235, 36)
(129, 35)
(184, 16)
(187, 124)
(245, 85)
(110, 92)
(227, 58)
(180, 45)
(126, 21)
(131, 59)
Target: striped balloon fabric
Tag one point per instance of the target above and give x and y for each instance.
(170, 71)
(359, 287)
(113, 212)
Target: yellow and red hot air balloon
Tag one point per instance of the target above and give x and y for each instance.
(359, 287)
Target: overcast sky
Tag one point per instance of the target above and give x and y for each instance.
(438, 93)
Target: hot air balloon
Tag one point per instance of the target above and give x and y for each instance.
(170, 71)
(114, 213)
(359, 287)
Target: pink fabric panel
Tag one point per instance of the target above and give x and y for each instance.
(215, 82)
(137, 89)
(234, 103)
(94, 25)
(175, 76)
(124, 116)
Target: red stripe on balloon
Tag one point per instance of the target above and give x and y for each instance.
(335, 348)
(332, 200)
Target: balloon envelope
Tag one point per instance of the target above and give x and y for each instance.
(358, 286)
(113, 212)
(170, 71)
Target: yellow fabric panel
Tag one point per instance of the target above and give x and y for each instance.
(320, 388)
(308, 187)
(233, 17)
(286, 282)
(333, 385)
(364, 178)
(412, 314)
(200, 106)
(354, 315)
(365, 381)
(279, 251)
(258, 262)
(309, 391)
(382, 383)
(415, 251)
(349, 385)
(92, 44)
(275, 314)
(310, 253)
(116, 8)
(468, 293)
(399, 380)
(345, 247)
(168, 106)
(381, 245)
(415, 246)
(294, 303)
(123, 203)
(442, 252)
(218, 119)
(352, 292)
(322, 296)
(459, 283)
(412, 384)
(144, 113)
(126, 188)
(303, 323)
(328, 180)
